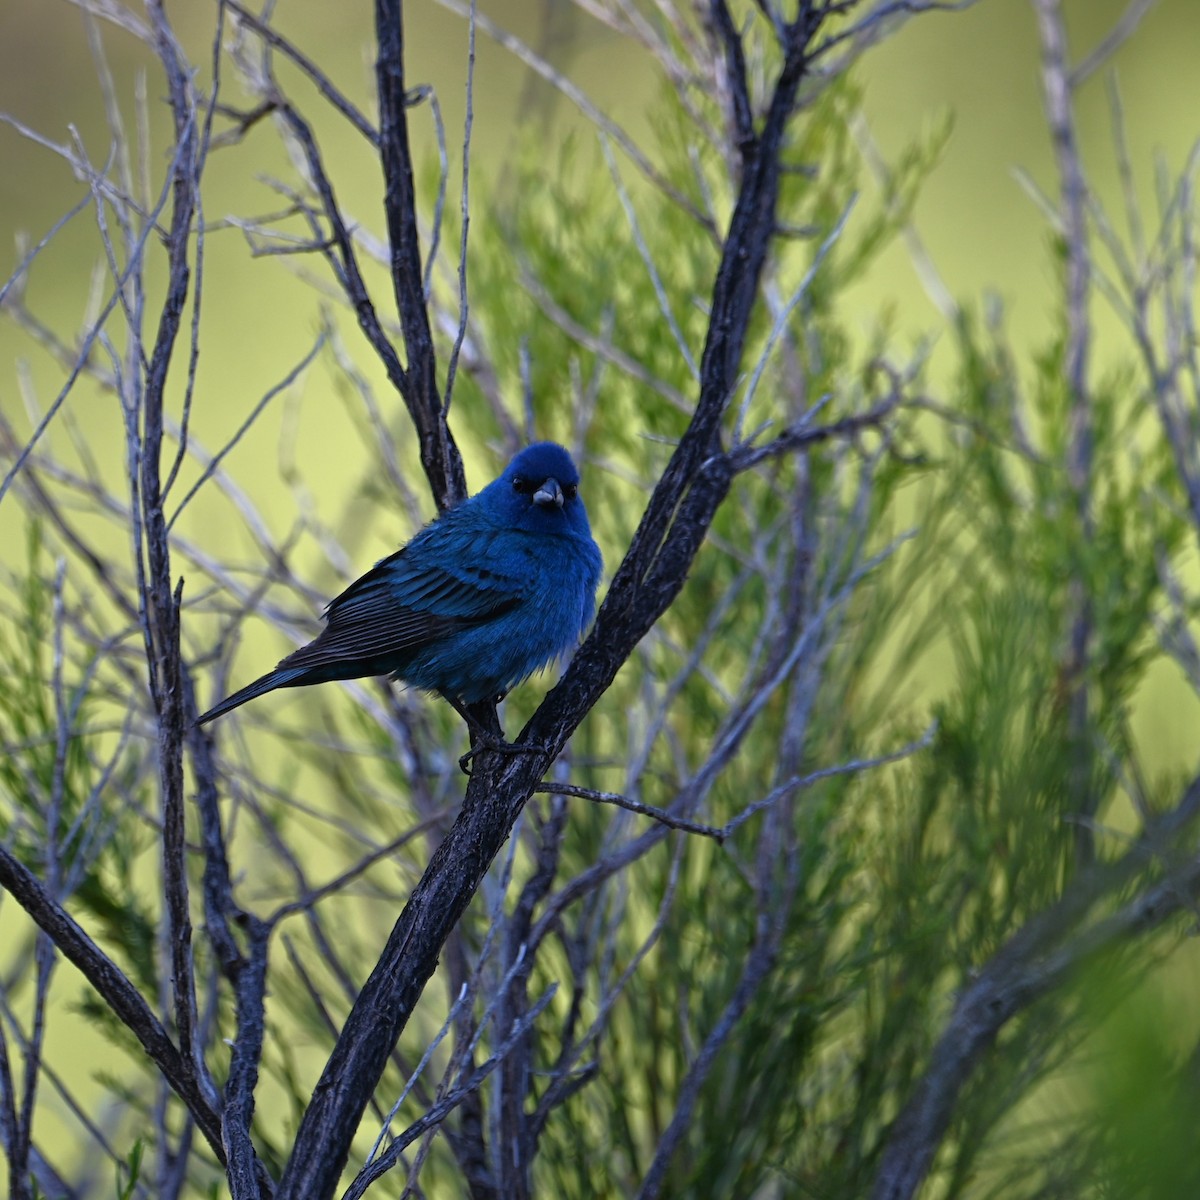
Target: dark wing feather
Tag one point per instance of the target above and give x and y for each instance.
(404, 603)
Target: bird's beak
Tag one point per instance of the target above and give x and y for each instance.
(549, 493)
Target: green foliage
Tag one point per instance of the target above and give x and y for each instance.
(913, 877)
(807, 1118)
(907, 878)
(53, 764)
(129, 1172)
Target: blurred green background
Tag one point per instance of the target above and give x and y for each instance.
(981, 230)
(979, 69)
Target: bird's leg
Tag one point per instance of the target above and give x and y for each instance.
(491, 739)
(483, 738)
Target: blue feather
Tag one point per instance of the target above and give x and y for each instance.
(479, 600)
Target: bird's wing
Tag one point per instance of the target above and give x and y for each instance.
(407, 601)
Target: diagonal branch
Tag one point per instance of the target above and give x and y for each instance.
(320, 80)
(1120, 33)
(673, 527)
(1034, 961)
(116, 991)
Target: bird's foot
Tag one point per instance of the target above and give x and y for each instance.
(482, 737)
(482, 741)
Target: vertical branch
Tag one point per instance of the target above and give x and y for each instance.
(201, 157)
(439, 454)
(9, 1134)
(1056, 82)
(247, 1178)
(247, 973)
(517, 1143)
(741, 116)
(44, 950)
(161, 607)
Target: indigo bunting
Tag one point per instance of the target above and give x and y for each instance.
(481, 598)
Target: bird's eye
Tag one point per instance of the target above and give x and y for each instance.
(524, 486)
(569, 491)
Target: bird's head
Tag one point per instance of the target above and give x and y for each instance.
(539, 491)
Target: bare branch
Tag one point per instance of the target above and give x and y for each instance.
(439, 454)
(116, 991)
(634, 806)
(464, 215)
(684, 502)
(159, 608)
(1035, 960)
(735, 79)
(322, 81)
(1116, 37)
(1080, 436)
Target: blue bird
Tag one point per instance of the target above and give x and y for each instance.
(481, 598)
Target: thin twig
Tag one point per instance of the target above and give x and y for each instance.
(464, 215)
(1116, 37)
(213, 463)
(634, 806)
(315, 74)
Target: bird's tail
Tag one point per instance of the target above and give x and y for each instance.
(280, 677)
